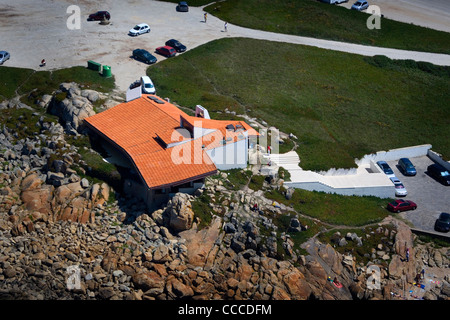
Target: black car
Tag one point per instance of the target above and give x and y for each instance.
(144, 56)
(177, 45)
(182, 6)
(99, 16)
(439, 173)
(442, 224)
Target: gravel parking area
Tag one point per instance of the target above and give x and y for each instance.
(431, 197)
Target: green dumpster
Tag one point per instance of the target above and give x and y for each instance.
(94, 65)
(106, 71)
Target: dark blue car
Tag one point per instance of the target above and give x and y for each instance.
(144, 56)
(182, 6)
(407, 167)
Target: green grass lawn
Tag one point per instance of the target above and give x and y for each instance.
(319, 20)
(340, 106)
(333, 208)
(11, 79)
(20, 81)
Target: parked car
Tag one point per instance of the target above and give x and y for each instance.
(360, 5)
(147, 85)
(177, 45)
(166, 51)
(333, 1)
(401, 205)
(407, 167)
(139, 29)
(386, 169)
(442, 224)
(144, 56)
(99, 16)
(4, 56)
(182, 6)
(439, 173)
(400, 190)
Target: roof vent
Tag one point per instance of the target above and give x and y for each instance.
(156, 99)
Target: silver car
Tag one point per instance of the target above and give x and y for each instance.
(3, 56)
(360, 5)
(139, 29)
(400, 190)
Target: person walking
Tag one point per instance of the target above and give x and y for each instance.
(225, 26)
(407, 254)
(205, 16)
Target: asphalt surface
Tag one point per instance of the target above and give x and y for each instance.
(431, 197)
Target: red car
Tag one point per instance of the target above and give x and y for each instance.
(401, 205)
(99, 16)
(166, 51)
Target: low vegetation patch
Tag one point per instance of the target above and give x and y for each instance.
(333, 208)
(373, 239)
(33, 84)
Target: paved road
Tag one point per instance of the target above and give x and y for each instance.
(33, 30)
(431, 196)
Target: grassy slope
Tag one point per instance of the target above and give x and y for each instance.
(315, 19)
(338, 105)
(23, 81)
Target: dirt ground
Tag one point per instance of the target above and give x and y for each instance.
(36, 30)
(32, 30)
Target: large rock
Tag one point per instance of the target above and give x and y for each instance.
(74, 108)
(31, 182)
(201, 248)
(179, 211)
(38, 199)
(149, 280)
(297, 285)
(178, 288)
(399, 265)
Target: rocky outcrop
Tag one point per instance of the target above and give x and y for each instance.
(61, 237)
(179, 212)
(72, 105)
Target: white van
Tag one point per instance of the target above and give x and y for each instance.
(147, 85)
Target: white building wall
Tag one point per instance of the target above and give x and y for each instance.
(230, 156)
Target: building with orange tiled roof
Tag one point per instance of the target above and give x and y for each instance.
(169, 150)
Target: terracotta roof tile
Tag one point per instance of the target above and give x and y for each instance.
(138, 126)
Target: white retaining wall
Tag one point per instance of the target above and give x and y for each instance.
(366, 180)
(436, 157)
(395, 154)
